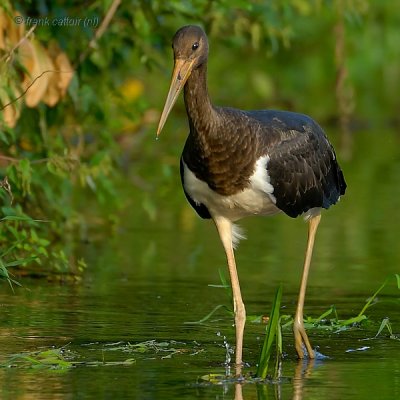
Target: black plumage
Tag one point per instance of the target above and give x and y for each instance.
(238, 163)
(303, 167)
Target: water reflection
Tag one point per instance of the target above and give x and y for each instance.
(96, 317)
(273, 390)
(302, 372)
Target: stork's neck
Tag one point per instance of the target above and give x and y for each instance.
(201, 114)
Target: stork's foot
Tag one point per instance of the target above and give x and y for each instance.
(301, 341)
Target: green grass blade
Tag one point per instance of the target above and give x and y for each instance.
(222, 277)
(225, 283)
(385, 323)
(209, 315)
(270, 336)
(20, 261)
(324, 315)
(354, 320)
(398, 280)
(4, 274)
(279, 350)
(22, 218)
(371, 299)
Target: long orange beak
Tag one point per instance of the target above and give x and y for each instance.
(180, 75)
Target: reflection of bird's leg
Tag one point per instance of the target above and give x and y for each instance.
(301, 373)
(300, 335)
(224, 227)
(238, 391)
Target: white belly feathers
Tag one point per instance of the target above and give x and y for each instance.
(256, 199)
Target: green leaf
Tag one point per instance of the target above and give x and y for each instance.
(209, 315)
(20, 261)
(25, 174)
(17, 218)
(385, 323)
(324, 315)
(354, 320)
(270, 336)
(372, 298)
(397, 276)
(3, 137)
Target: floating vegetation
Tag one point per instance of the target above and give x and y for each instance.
(221, 379)
(64, 358)
(276, 323)
(55, 359)
(334, 323)
(337, 325)
(154, 349)
(99, 354)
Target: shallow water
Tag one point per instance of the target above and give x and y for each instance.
(95, 329)
(146, 282)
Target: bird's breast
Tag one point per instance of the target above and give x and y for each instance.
(253, 198)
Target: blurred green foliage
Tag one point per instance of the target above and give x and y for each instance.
(67, 165)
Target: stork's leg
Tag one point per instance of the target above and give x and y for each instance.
(224, 227)
(300, 335)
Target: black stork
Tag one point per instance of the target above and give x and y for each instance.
(240, 163)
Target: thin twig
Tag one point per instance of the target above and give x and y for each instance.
(6, 58)
(102, 28)
(31, 84)
(10, 159)
(17, 160)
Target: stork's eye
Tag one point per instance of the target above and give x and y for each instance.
(195, 45)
